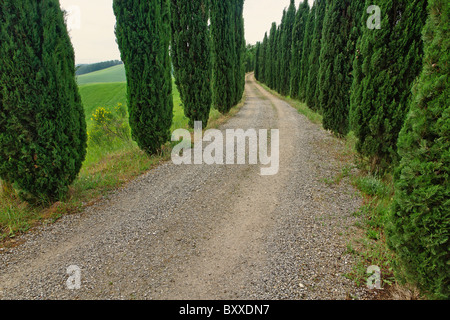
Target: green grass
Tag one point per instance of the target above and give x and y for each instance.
(113, 74)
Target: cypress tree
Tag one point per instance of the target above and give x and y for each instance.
(392, 60)
(270, 56)
(286, 45)
(257, 60)
(356, 88)
(240, 49)
(298, 34)
(143, 35)
(306, 51)
(190, 52)
(277, 58)
(339, 36)
(263, 59)
(42, 122)
(312, 94)
(419, 224)
(223, 54)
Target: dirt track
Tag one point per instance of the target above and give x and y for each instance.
(207, 231)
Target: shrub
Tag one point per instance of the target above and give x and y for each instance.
(109, 126)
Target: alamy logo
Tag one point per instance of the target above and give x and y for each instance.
(74, 280)
(374, 279)
(374, 21)
(231, 149)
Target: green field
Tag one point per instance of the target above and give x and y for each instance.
(113, 74)
(108, 95)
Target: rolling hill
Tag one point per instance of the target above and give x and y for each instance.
(113, 74)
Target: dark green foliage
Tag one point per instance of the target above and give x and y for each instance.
(257, 62)
(339, 35)
(298, 34)
(239, 36)
(191, 57)
(392, 59)
(270, 57)
(419, 228)
(42, 122)
(263, 59)
(277, 58)
(306, 51)
(143, 35)
(286, 45)
(223, 54)
(312, 92)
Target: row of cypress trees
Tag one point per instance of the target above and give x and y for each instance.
(344, 70)
(208, 61)
(360, 80)
(43, 137)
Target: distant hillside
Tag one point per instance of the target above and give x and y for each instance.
(88, 68)
(113, 74)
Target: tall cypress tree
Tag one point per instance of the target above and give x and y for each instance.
(355, 96)
(419, 225)
(392, 60)
(262, 60)
(339, 36)
(270, 56)
(191, 58)
(223, 54)
(42, 122)
(257, 60)
(298, 34)
(143, 35)
(316, 44)
(286, 45)
(306, 51)
(277, 57)
(240, 49)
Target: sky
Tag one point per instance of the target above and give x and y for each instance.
(91, 25)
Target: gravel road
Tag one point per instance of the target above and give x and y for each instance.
(207, 231)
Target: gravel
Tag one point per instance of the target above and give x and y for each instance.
(206, 231)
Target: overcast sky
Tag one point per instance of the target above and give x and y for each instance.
(91, 24)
